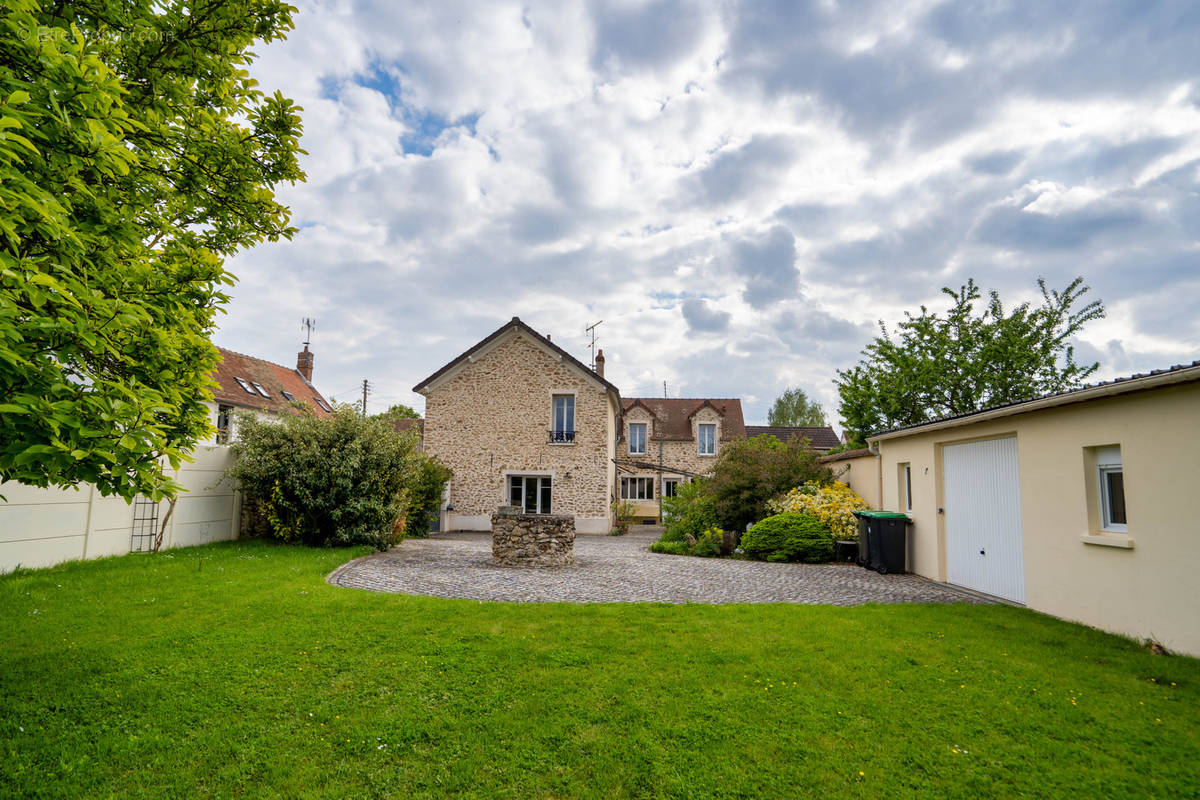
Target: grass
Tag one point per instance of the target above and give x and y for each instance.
(234, 670)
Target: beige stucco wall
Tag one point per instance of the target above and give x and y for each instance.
(491, 417)
(676, 455)
(861, 475)
(42, 527)
(1149, 591)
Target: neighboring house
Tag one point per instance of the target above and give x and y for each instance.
(520, 421)
(666, 441)
(249, 383)
(820, 438)
(1082, 504)
(405, 424)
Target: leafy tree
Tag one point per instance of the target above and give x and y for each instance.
(335, 480)
(793, 408)
(966, 361)
(399, 411)
(136, 154)
(425, 495)
(749, 474)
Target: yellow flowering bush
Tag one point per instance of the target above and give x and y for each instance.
(834, 505)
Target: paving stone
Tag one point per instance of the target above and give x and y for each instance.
(621, 569)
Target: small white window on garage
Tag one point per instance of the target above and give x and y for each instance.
(706, 436)
(1111, 478)
(637, 438)
(637, 488)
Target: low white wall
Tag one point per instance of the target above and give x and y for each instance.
(41, 527)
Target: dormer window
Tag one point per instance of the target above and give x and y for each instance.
(706, 438)
(245, 385)
(637, 438)
(258, 387)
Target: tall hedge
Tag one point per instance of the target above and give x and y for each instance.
(336, 480)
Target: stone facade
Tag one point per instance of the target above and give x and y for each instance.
(488, 417)
(679, 456)
(544, 540)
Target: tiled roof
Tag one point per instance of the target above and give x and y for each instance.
(846, 455)
(1180, 373)
(275, 379)
(515, 322)
(673, 415)
(820, 437)
(408, 423)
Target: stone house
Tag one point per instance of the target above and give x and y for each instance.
(675, 438)
(519, 421)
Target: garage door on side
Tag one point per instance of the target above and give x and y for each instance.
(982, 494)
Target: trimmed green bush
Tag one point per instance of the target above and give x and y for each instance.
(789, 537)
(671, 548)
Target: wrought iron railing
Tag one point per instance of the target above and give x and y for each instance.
(562, 437)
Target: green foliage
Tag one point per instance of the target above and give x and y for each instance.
(136, 154)
(336, 480)
(674, 548)
(942, 366)
(623, 514)
(793, 408)
(750, 473)
(399, 411)
(789, 537)
(691, 511)
(425, 494)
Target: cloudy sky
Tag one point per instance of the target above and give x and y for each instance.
(738, 190)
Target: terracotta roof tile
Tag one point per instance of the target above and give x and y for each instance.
(275, 379)
(820, 437)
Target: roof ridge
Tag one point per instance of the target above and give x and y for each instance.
(256, 358)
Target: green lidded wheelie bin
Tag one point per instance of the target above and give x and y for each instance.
(882, 540)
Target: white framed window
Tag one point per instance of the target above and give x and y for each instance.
(637, 438)
(245, 385)
(258, 387)
(706, 438)
(563, 427)
(1111, 479)
(637, 488)
(531, 493)
(669, 486)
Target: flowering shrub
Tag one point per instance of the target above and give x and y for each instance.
(834, 505)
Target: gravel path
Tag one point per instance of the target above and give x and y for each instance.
(611, 569)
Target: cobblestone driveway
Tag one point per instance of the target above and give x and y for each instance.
(611, 569)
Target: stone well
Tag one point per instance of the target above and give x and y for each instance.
(539, 540)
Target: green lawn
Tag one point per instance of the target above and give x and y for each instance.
(234, 670)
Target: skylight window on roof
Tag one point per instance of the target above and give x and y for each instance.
(242, 383)
(291, 398)
(260, 389)
(321, 403)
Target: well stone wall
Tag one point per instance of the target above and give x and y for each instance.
(542, 540)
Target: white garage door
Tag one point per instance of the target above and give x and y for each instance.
(983, 517)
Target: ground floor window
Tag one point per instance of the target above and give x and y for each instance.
(637, 488)
(669, 486)
(224, 417)
(530, 493)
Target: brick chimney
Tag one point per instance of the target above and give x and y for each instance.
(600, 363)
(304, 363)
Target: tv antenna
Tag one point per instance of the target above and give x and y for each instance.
(308, 324)
(592, 330)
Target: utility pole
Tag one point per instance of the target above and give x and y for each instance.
(366, 388)
(592, 330)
